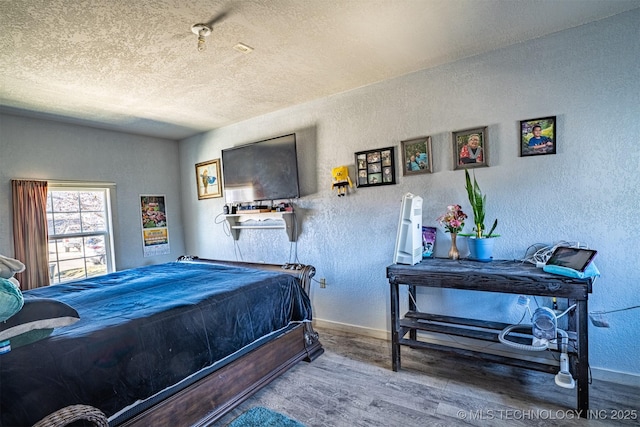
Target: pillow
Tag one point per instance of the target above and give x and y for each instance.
(36, 320)
(11, 299)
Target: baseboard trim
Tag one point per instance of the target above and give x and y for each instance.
(353, 329)
(600, 374)
(617, 377)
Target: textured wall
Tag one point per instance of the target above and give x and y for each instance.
(588, 77)
(32, 148)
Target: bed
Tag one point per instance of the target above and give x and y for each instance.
(173, 344)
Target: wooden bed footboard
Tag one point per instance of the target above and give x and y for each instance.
(214, 396)
(209, 399)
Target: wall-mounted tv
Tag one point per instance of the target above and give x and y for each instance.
(261, 171)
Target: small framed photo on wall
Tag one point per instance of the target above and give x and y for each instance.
(538, 136)
(208, 179)
(376, 167)
(416, 156)
(470, 148)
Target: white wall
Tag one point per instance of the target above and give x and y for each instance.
(32, 148)
(588, 77)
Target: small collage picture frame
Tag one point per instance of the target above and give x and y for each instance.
(376, 167)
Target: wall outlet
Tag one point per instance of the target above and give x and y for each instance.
(598, 319)
(323, 283)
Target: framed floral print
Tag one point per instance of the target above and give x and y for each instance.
(208, 179)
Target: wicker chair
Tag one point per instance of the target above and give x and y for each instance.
(69, 414)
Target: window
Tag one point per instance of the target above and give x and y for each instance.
(79, 222)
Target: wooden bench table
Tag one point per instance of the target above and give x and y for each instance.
(501, 276)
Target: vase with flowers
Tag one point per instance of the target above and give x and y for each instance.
(453, 222)
(480, 243)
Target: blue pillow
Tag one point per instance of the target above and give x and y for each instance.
(11, 299)
(36, 320)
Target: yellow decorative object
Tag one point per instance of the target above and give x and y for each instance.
(341, 180)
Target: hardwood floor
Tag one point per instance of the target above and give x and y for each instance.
(352, 385)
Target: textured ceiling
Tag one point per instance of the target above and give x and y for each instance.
(134, 66)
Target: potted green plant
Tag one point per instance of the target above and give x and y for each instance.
(480, 243)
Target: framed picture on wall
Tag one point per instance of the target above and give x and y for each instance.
(375, 167)
(470, 148)
(538, 136)
(208, 179)
(416, 156)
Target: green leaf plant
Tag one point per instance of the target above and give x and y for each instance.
(478, 202)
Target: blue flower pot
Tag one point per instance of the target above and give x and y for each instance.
(481, 249)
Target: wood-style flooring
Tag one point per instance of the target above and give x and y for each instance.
(352, 385)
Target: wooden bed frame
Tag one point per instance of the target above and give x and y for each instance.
(212, 397)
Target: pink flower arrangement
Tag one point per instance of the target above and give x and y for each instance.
(453, 220)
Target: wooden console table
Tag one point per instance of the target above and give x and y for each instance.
(511, 277)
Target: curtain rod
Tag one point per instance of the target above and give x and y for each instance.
(68, 183)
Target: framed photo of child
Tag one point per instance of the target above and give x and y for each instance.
(470, 148)
(538, 136)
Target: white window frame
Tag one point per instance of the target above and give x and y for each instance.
(109, 190)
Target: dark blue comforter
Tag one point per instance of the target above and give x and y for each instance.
(140, 331)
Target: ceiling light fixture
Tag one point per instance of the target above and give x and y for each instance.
(202, 31)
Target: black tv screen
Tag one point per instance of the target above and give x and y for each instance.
(261, 171)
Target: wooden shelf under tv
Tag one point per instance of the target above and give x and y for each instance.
(262, 221)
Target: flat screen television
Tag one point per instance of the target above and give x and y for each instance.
(261, 171)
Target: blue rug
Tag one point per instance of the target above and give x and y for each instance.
(263, 417)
